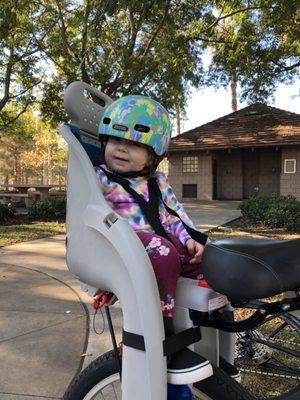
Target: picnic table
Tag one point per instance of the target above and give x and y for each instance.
(29, 192)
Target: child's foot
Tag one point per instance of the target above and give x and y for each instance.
(182, 392)
(230, 369)
(186, 367)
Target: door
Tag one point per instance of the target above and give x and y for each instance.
(215, 179)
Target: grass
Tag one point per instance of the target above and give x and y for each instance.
(22, 229)
(239, 228)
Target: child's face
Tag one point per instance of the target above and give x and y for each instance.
(124, 156)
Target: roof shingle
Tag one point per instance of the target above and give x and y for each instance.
(253, 126)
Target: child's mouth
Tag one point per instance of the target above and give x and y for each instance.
(121, 159)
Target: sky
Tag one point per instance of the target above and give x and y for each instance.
(208, 105)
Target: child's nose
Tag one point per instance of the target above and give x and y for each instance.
(122, 145)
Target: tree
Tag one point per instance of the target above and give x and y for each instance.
(149, 47)
(31, 151)
(121, 47)
(14, 140)
(256, 48)
(19, 72)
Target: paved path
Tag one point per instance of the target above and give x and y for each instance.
(43, 319)
(209, 214)
(36, 314)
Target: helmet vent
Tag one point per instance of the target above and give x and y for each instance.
(141, 128)
(106, 121)
(119, 127)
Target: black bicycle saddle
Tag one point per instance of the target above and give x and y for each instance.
(245, 269)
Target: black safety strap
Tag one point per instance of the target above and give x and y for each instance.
(181, 340)
(194, 234)
(171, 344)
(151, 208)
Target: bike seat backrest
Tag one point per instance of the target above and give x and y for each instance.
(84, 245)
(99, 242)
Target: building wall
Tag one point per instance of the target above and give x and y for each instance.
(202, 178)
(269, 171)
(290, 183)
(238, 173)
(261, 171)
(229, 180)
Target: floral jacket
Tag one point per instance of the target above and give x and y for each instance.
(126, 206)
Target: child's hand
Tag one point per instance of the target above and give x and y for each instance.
(196, 249)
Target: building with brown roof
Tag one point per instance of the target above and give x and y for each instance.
(253, 151)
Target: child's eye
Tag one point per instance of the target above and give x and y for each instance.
(115, 139)
(137, 144)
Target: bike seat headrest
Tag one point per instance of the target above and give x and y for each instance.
(84, 106)
(93, 151)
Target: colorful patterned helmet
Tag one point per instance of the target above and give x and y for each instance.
(140, 119)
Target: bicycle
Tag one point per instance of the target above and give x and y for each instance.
(105, 369)
(96, 233)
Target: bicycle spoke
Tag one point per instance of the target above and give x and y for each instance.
(268, 373)
(274, 346)
(268, 358)
(279, 329)
(293, 373)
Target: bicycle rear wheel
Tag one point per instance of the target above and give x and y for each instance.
(268, 358)
(101, 381)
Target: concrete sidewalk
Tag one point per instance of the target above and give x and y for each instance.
(44, 316)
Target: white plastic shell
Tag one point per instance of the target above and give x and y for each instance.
(104, 252)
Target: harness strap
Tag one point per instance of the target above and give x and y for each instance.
(194, 234)
(151, 208)
(171, 344)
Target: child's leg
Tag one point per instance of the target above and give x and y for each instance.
(184, 365)
(166, 264)
(188, 270)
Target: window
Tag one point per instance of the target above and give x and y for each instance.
(290, 166)
(190, 164)
(189, 191)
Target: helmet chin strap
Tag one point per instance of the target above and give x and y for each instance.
(146, 172)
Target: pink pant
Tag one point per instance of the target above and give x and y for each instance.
(170, 259)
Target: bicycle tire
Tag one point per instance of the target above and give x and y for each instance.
(277, 377)
(104, 370)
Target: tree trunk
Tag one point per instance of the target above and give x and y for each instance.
(45, 173)
(49, 181)
(177, 117)
(233, 86)
(17, 177)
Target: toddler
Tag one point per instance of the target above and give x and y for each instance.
(135, 135)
